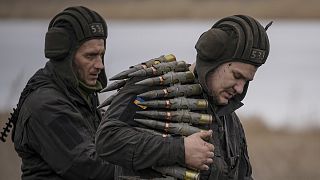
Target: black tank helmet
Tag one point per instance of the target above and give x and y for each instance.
(234, 38)
(67, 31)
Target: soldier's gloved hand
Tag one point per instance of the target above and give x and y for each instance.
(198, 153)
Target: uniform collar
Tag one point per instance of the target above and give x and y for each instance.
(233, 105)
(228, 109)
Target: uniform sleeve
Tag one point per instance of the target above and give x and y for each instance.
(119, 143)
(245, 169)
(59, 135)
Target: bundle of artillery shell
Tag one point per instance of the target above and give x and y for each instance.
(171, 111)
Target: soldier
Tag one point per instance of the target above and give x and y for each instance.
(228, 56)
(56, 118)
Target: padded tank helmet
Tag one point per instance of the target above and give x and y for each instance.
(69, 29)
(234, 38)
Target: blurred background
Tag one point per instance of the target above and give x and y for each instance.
(281, 114)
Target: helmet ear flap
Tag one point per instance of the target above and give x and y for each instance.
(57, 43)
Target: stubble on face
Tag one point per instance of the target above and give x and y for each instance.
(88, 61)
(216, 84)
(228, 80)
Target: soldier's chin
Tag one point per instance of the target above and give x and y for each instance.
(222, 101)
(219, 100)
(91, 83)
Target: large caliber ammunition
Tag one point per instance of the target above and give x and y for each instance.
(147, 64)
(124, 74)
(162, 68)
(169, 78)
(115, 85)
(152, 132)
(182, 129)
(176, 90)
(179, 116)
(108, 101)
(178, 172)
(177, 103)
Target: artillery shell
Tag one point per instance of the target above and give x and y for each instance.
(177, 103)
(176, 90)
(178, 172)
(182, 129)
(115, 85)
(169, 78)
(179, 116)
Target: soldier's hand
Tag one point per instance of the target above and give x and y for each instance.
(198, 153)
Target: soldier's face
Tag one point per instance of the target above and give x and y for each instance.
(228, 80)
(88, 61)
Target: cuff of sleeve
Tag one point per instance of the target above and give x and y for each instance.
(177, 150)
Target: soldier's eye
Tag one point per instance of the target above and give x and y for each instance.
(236, 75)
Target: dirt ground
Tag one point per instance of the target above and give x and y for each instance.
(10, 162)
(274, 154)
(283, 154)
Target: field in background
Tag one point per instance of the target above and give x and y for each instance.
(282, 154)
(274, 154)
(166, 9)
